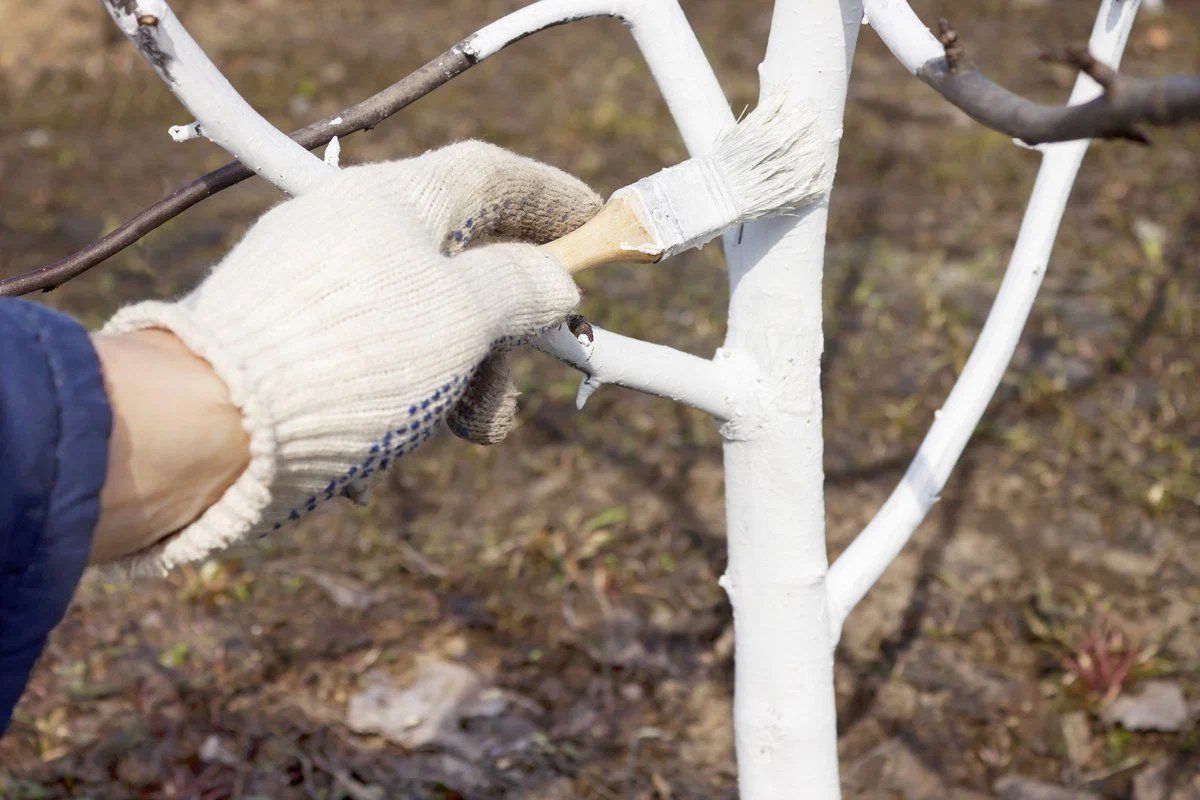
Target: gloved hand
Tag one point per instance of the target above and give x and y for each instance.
(350, 321)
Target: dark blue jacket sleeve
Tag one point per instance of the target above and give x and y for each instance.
(54, 429)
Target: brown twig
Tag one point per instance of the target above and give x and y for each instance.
(1081, 59)
(361, 116)
(1118, 113)
(578, 325)
(949, 39)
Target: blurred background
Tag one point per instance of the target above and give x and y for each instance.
(558, 592)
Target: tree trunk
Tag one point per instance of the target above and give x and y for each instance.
(784, 713)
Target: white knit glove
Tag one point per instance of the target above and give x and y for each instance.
(346, 329)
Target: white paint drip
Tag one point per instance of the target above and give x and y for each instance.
(587, 387)
(333, 152)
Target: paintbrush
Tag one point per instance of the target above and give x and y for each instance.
(772, 162)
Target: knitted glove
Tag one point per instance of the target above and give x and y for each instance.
(345, 330)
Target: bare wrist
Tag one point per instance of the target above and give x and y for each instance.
(177, 442)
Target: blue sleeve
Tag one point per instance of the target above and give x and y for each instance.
(54, 428)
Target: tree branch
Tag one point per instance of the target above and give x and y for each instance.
(723, 387)
(224, 115)
(361, 116)
(861, 564)
(662, 32)
(1124, 105)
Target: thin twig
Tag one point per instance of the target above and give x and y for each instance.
(949, 39)
(1081, 59)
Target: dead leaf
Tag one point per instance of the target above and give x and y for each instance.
(424, 712)
(1160, 706)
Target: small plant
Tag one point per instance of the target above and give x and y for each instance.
(1097, 656)
(1101, 659)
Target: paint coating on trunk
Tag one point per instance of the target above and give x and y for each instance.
(784, 711)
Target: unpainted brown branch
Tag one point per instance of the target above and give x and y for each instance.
(358, 117)
(1118, 113)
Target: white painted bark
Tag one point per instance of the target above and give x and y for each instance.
(668, 43)
(223, 116)
(903, 32)
(857, 569)
(722, 387)
(784, 711)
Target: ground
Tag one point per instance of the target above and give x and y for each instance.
(559, 590)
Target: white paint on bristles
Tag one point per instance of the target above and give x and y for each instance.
(772, 162)
(774, 159)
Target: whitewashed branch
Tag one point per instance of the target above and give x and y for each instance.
(677, 63)
(903, 32)
(666, 40)
(722, 387)
(222, 115)
(881, 541)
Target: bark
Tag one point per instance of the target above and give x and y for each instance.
(1125, 105)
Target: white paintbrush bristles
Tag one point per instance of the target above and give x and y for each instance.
(774, 159)
(772, 162)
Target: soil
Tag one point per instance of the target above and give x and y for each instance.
(572, 570)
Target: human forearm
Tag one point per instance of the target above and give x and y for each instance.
(177, 441)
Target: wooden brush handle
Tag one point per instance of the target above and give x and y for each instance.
(614, 234)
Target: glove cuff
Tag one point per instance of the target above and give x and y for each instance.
(304, 449)
(244, 504)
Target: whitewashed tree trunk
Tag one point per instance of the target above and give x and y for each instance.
(785, 719)
(763, 385)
